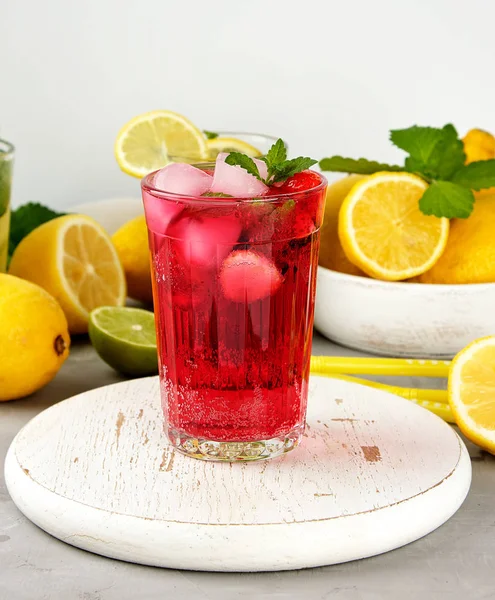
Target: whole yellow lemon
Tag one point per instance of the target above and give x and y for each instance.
(332, 255)
(131, 242)
(478, 145)
(469, 256)
(34, 339)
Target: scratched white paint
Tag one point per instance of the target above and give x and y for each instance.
(402, 319)
(374, 472)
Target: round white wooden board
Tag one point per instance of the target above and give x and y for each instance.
(373, 473)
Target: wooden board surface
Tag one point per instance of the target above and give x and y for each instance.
(374, 472)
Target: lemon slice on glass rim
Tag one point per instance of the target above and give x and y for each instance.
(154, 139)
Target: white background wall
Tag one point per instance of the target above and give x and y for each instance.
(330, 76)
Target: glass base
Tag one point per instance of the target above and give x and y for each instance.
(235, 451)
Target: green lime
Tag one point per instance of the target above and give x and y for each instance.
(125, 339)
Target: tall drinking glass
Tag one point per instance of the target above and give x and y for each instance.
(234, 287)
(6, 162)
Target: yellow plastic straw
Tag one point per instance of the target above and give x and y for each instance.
(435, 401)
(329, 365)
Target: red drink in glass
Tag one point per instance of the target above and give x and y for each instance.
(234, 286)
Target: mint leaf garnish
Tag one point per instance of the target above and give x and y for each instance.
(278, 167)
(275, 156)
(361, 166)
(448, 155)
(216, 195)
(210, 135)
(433, 153)
(477, 175)
(288, 168)
(26, 218)
(244, 161)
(437, 155)
(447, 199)
(418, 142)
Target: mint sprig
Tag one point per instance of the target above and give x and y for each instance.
(278, 167)
(437, 155)
(210, 135)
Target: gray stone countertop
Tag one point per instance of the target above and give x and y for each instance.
(457, 561)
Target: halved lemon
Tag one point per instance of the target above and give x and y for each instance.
(152, 140)
(472, 392)
(230, 144)
(72, 258)
(383, 231)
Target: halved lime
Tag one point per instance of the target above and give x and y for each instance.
(125, 339)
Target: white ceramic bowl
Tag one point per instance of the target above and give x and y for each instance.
(402, 319)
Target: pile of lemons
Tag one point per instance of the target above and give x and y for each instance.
(363, 211)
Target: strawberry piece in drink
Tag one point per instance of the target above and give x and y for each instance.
(247, 276)
(300, 182)
(296, 217)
